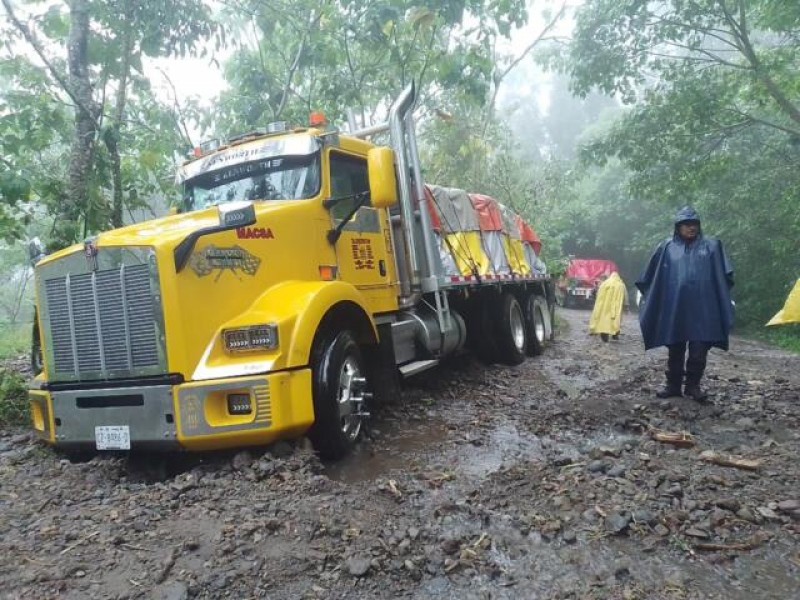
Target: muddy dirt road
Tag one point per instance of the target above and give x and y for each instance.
(541, 481)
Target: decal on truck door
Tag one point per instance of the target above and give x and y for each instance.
(363, 256)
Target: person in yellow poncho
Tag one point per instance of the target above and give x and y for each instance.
(606, 317)
(790, 313)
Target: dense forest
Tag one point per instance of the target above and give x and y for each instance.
(596, 120)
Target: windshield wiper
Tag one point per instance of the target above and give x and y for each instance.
(361, 198)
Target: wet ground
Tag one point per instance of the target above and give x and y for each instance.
(540, 481)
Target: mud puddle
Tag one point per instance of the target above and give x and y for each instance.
(396, 448)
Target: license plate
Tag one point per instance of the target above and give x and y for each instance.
(112, 437)
(583, 292)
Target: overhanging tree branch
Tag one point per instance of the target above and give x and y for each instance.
(499, 77)
(740, 30)
(30, 37)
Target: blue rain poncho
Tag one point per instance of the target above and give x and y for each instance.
(686, 289)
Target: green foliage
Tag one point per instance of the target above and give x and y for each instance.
(784, 336)
(15, 339)
(13, 399)
(359, 55)
(715, 122)
(37, 125)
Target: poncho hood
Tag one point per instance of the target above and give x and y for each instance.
(688, 213)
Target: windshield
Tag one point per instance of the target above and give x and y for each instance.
(275, 178)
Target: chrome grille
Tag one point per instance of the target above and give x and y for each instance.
(104, 324)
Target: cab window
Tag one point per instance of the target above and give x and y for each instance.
(348, 178)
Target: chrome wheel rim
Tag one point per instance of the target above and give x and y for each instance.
(517, 327)
(350, 398)
(538, 324)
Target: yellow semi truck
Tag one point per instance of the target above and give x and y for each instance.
(300, 277)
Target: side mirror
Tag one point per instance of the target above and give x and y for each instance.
(35, 251)
(382, 177)
(172, 211)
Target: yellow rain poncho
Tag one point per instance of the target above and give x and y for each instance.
(607, 314)
(790, 313)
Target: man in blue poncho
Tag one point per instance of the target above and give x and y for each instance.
(687, 302)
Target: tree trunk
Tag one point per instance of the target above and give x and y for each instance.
(112, 137)
(80, 161)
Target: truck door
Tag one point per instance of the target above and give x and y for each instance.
(364, 251)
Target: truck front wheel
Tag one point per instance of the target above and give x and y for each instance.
(340, 392)
(510, 331)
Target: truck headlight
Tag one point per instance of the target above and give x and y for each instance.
(254, 337)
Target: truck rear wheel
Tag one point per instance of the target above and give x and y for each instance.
(510, 331)
(340, 393)
(534, 321)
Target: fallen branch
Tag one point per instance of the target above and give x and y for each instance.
(751, 544)
(680, 439)
(167, 566)
(79, 542)
(38, 562)
(132, 547)
(730, 461)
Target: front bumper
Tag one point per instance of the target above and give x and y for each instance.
(192, 416)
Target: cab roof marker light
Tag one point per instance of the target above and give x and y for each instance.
(277, 127)
(246, 136)
(209, 145)
(317, 119)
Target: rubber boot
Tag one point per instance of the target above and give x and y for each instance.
(693, 390)
(695, 367)
(672, 389)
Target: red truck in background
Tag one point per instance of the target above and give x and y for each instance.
(578, 285)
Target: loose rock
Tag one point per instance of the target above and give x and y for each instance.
(358, 566)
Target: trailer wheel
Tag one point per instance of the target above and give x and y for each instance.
(510, 331)
(537, 332)
(340, 392)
